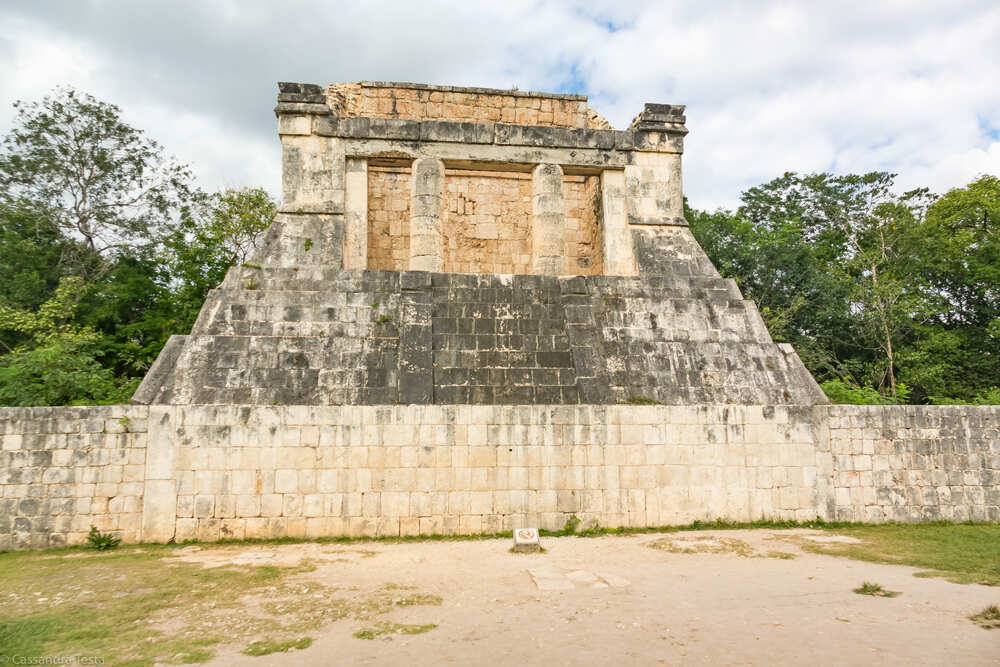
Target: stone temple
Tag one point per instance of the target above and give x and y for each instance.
(478, 310)
(442, 245)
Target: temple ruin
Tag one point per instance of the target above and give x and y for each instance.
(478, 310)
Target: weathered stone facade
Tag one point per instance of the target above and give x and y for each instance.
(456, 262)
(478, 310)
(418, 101)
(210, 472)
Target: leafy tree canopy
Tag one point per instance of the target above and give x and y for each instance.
(73, 162)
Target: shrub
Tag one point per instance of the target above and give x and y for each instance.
(102, 541)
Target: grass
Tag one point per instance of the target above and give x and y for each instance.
(104, 604)
(988, 618)
(966, 553)
(875, 590)
(268, 646)
(389, 629)
(138, 606)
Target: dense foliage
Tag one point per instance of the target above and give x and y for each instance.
(107, 247)
(888, 298)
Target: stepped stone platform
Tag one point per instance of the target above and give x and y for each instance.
(618, 302)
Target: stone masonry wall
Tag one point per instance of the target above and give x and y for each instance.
(388, 218)
(409, 101)
(305, 335)
(211, 472)
(583, 225)
(409, 470)
(486, 222)
(65, 469)
(914, 463)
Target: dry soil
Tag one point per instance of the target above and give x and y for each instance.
(713, 598)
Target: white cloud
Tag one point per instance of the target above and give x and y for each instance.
(902, 86)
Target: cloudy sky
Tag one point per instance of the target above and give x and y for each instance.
(908, 86)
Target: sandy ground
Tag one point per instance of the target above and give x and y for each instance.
(616, 601)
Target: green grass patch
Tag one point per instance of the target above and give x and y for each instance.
(389, 629)
(105, 604)
(139, 606)
(964, 553)
(875, 590)
(988, 618)
(268, 646)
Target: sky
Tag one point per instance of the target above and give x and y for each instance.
(848, 87)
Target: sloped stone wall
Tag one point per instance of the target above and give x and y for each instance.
(321, 336)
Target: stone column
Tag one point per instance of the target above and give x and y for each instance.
(426, 241)
(548, 224)
(356, 214)
(619, 260)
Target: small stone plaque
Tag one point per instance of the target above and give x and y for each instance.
(526, 540)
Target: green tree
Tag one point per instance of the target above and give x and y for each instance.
(57, 366)
(202, 250)
(72, 161)
(236, 218)
(97, 225)
(877, 291)
(954, 354)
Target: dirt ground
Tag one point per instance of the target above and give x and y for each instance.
(719, 598)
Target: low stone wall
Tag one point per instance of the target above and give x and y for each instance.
(409, 470)
(65, 469)
(314, 471)
(915, 463)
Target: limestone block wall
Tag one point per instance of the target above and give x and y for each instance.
(486, 222)
(584, 233)
(389, 218)
(311, 335)
(409, 470)
(415, 101)
(913, 463)
(65, 469)
(209, 472)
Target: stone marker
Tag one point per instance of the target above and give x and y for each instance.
(526, 540)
